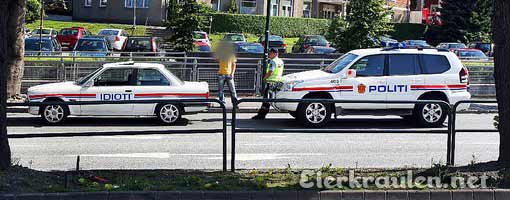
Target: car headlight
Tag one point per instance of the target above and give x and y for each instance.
(290, 84)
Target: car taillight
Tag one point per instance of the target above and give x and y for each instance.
(464, 75)
(284, 45)
(306, 46)
(117, 38)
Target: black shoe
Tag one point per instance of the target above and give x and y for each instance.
(258, 117)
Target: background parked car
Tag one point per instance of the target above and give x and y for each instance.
(46, 45)
(201, 36)
(148, 44)
(45, 32)
(68, 37)
(200, 46)
(275, 41)
(116, 37)
(416, 43)
(307, 41)
(452, 46)
(485, 47)
(234, 37)
(247, 47)
(471, 54)
(93, 46)
(320, 50)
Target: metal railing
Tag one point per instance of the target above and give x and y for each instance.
(223, 130)
(235, 129)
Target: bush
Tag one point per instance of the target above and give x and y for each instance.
(33, 11)
(407, 31)
(255, 24)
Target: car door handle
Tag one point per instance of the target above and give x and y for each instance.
(128, 90)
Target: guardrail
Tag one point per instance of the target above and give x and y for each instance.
(235, 129)
(223, 130)
(453, 129)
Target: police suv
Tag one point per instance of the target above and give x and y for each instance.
(390, 74)
(120, 82)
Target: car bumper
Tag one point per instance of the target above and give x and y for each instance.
(288, 95)
(460, 96)
(195, 107)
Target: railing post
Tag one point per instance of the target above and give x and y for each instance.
(130, 56)
(258, 78)
(61, 69)
(74, 64)
(449, 139)
(322, 64)
(453, 133)
(233, 125)
(195, 70)
(224, 111)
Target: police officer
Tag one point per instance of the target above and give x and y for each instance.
(274, 73)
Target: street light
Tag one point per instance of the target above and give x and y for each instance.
(41, 26)
(266, 37)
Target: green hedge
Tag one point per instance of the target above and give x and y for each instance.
(408, 31)
(255, 24)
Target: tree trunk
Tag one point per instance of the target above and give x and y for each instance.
(15, 28)
(501, 30)
(12, 20)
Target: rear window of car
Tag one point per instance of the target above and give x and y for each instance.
(34, 44)
(69, 32)
(91, 45)
(474, 54)
(250, 49)
(404, 64)
(139, 44)
(108, 32)
(434, 64)
(316, 41)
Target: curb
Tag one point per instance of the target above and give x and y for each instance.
(270, 195)
(248, 110)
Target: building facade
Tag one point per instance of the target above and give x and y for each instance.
(143, 12)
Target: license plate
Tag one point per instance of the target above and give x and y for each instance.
(65, 43)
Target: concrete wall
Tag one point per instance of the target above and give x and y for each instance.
(117, 13)
(276, 195)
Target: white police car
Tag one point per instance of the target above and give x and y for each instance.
(379, 74)
(119, 82)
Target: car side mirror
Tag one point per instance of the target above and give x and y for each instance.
(351, 73)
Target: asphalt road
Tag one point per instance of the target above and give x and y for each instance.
(254, 150)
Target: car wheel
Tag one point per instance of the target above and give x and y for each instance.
(54, 114)
(314, 115)
(430, 115)
(169, 113)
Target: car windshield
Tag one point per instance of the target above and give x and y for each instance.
(199, 36)
(457, 46)
(485, 46)
(44, 31)
(234, 38)
(85, 79)
(272, 38)
(418, 42)
(91, 45)
(108, 32)
(471, 54)
(34, 45)
(316, 41)
(250, 49)
(341, 63)
(69, 32)
(138, 44)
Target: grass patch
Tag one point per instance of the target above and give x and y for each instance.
(92, 27)
(21, 179)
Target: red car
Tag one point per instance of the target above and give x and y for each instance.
(68, 37)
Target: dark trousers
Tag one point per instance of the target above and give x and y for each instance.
(264, 109)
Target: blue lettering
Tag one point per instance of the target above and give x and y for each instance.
(117, 96)
(381, 88)
(372, 88)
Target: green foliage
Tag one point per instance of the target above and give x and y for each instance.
(255, 24)
(463, 21)
(368, 19)
(232, 7)
(407, 31)
(33, 11)
(188, 17)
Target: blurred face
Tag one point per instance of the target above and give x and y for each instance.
(272, 55)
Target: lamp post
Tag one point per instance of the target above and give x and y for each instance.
(266, 39)
(134, 17)
(41, 26)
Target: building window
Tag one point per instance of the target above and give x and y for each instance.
(248, 6)
(215, 5)
(103, 3)
(287, 8)
(139, 3)
(274, 7)
(88, 3)
(306, 9)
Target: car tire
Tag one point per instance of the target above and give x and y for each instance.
(169, 113)
(430, 115)
(54, 114)
(314, 114)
